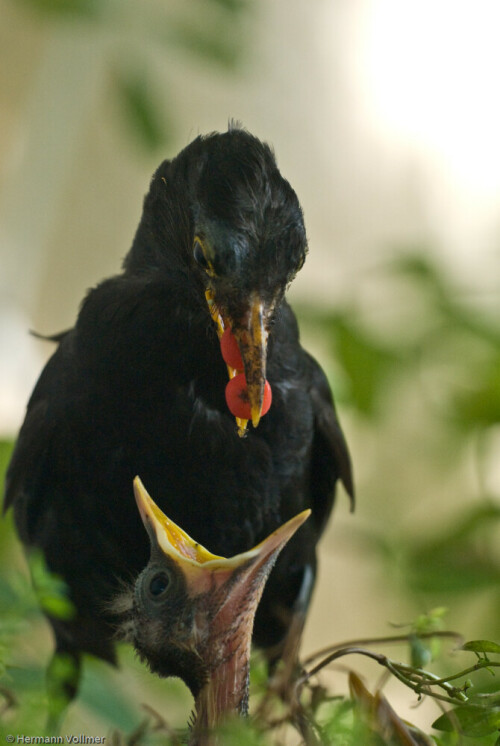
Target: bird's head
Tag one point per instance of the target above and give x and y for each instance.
(191, 612)
(246, 238)
(249, 241)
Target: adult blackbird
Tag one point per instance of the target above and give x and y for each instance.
(137, 387)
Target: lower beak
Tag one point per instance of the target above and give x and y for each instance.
(251, 335)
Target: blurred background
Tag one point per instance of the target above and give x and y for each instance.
(384, 116)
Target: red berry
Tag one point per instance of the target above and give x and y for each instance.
(237, 397)
(230, 350)
(268, 397)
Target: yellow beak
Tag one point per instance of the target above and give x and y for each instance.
(200, 567)
(251, 336)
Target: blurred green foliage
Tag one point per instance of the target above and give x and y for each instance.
(433, 381)
(50, 589)
(64, 8)
(211, 34)
(474, 721)
(138, 104)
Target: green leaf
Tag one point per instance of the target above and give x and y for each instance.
(65, 8)
(57, 607)
(241, 731)
(471, 720)
(50, 589)
(482, 646)
(140, 110)
(420, 652)
(105, 699)
(430, 621)
(451, 569)
(443, 298)
(368, 364)
(480, 404)
(421, 269)
(231, 6)
(211, 45)
(460, 560)
(6, 448)
(6, 521)
(259, 674)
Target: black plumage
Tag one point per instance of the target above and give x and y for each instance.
(137, 387)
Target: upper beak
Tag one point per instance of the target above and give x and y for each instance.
(204, 570)
(251, 335)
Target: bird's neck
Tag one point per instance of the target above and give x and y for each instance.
(226, 691)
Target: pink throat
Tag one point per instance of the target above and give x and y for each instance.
(226, 691)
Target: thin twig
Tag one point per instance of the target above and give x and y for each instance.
(447, 634)
(419, 680)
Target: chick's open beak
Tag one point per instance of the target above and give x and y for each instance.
(223, 595)
(244, 574)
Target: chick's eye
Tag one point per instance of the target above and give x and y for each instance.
(198, 254)
(159, 584)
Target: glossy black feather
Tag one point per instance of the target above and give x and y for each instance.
(137, 388)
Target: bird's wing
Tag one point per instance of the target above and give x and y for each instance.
(31, 459)
(330, 458)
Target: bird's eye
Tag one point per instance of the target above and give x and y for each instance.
(159, 584)
(199, 256)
